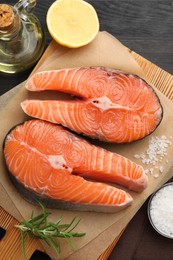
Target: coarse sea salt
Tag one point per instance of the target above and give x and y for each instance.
(161, 210)
(155, 153)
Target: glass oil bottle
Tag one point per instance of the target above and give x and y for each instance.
(22, 39)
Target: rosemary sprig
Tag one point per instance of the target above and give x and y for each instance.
(39, 226)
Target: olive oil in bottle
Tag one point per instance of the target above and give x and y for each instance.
(22, 39)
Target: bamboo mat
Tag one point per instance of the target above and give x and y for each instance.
(10, 244)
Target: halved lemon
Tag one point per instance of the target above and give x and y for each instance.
(72, 23)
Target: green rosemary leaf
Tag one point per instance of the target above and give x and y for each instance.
(63, 234)
(72, 245)
(58, 221)
(27, 224)
(47, 242)
(54, 246)
(75, 224)
(55, 228)
(23, 244)
(70, 223)
(32, 214)
(48, 228)
(34, 219)
(28, 234)
(41, 217)
(78, 234)
(57, 243)
(63, 226)
(41, 222)
(45, 213)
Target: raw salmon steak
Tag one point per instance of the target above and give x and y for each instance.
(48, 162)
(112, 106)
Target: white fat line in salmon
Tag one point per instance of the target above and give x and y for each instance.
(104, 103)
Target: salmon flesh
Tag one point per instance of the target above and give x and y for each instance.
(111, 105)
(52, 164)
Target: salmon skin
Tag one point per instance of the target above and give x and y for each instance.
(112, 106)
(48, 162)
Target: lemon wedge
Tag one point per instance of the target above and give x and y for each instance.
(72, 23)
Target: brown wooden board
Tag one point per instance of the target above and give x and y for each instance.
(104, 51)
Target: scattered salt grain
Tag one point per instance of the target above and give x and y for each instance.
(137, 156)
(156, 175)
(151, 170)
(146, 171)
(161, 210)
(161, 169)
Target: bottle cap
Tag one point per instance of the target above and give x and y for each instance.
(6, 16)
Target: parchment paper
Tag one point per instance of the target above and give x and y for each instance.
(100, 228)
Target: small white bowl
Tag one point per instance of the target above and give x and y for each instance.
(160, 212)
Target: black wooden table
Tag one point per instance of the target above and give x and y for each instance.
(147, 28)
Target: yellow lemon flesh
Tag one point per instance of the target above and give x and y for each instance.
(72, 23)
